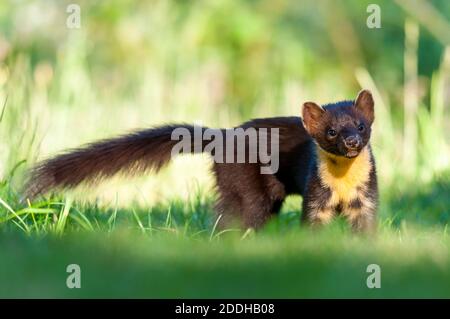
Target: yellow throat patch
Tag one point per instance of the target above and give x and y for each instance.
(343, 175)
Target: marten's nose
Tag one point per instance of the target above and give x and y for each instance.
(352, 141)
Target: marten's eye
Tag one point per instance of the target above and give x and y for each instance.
(331, 132)
(361, 127)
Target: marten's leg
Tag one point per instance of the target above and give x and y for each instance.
(316, 215)
(234, 209)
(316, 204)
(246, 195)
(361, 214)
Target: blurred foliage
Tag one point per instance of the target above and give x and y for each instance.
(249, 48)
(140, 63)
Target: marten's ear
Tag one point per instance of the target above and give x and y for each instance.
(312, 114)
(365, 104)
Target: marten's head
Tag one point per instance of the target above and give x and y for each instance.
(342, 128)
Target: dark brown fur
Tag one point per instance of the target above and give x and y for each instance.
(244, 193)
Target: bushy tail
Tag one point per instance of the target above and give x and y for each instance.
(133, 153)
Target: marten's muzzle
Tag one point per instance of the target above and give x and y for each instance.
(352, 145)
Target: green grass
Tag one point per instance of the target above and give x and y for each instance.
(295, 264)
(174, 250)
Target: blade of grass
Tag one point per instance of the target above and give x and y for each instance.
(168, 222)
(82, 220)
(27, 210)
(4, 108)
(112, 218)
(214, 227)
(226, 231)
(25, 226)
(34, 219)
(247, 233)
(141, 226)
(62, 220)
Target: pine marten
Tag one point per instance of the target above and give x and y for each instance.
(325, 156)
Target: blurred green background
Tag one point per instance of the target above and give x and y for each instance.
(135, 64)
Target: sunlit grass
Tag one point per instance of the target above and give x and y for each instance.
(300, 264)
